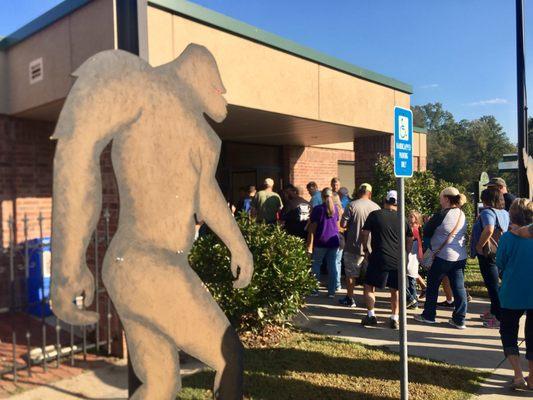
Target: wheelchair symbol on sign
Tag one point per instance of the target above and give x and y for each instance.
(403, 128)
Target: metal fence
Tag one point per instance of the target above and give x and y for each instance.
(38, 339)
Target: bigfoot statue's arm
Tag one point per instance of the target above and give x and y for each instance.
(76, 207)
(214, 210)
(96, 109)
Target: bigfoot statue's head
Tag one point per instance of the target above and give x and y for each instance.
(198, 68)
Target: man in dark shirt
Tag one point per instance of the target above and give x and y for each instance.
(383, 262)
(500, 184)
(245, 201)
(295, 213)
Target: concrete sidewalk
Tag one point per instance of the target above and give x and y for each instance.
(475, 347)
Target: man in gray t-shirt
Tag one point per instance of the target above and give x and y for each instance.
(353, 220)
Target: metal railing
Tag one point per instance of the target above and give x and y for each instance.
(23, 313)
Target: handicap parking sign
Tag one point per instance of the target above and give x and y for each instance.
(403, 142)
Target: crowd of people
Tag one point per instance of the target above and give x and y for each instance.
(361, 238)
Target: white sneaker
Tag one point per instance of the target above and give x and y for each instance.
(455, 324)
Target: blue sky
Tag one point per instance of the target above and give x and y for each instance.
(461, 53)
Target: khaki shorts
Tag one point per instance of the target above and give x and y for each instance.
(351, 268)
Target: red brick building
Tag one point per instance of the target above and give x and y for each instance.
(294, 114)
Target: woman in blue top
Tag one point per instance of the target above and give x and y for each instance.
(493, 220)
(516, 295)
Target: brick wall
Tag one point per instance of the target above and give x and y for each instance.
(367, 149)
(26, 157)
(305, 164)
(26, 175)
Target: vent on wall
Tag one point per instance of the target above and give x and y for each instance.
(36, 71)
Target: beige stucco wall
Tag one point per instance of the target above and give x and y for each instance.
(348, 100)
(3, 83)
(419, 144)
(255, 76)
(63, 47)
(258, 76)
(423, 145)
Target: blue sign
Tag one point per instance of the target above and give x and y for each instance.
(403, 143)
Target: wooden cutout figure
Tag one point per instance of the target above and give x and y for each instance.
(164, 155)
(528, 163)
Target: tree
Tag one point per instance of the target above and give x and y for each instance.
(459, 151)
(433, 115)
(421, 191)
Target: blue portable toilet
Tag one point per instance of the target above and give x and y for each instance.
(39, 254)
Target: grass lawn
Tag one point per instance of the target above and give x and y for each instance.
(308, 366)
(474, 280)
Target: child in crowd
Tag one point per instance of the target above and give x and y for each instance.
(414, 257)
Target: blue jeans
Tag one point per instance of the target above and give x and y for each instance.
(455, 271)
(338, 265)
(411, 290)
(509, 324)
(330, 255)
(489, 271)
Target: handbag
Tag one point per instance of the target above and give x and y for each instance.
(429, 255)
(490, 248)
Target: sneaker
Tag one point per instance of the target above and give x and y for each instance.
(331, 296)
(314, 293)
(445, 304)
(491, 323)
(394, 324)
(422, 294)
(369, 321)
(420, 318)
(347, 301)
(411, 304)
(455, 324)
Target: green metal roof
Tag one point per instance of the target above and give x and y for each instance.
(48, 18)
(217, 20)
(231, 25)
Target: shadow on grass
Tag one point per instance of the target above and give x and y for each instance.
(267, 387)
(315, 367)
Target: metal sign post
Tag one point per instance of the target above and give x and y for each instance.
(403, 168)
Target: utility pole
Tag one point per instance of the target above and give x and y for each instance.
(523, 188)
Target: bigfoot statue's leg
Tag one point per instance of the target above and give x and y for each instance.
(155, 361)
(157, 289)
(228, 380)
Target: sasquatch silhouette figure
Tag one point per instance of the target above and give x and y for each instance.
(164, 156)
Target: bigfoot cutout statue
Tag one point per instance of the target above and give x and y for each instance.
(164, 155)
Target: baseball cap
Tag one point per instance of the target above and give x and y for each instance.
(366, 186)
(392, 197)
(496, 182)
(454, 192)
(269, 182)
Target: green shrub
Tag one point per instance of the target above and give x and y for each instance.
(280, 283)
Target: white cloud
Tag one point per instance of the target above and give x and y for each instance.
(430, 86)
(487, 102)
